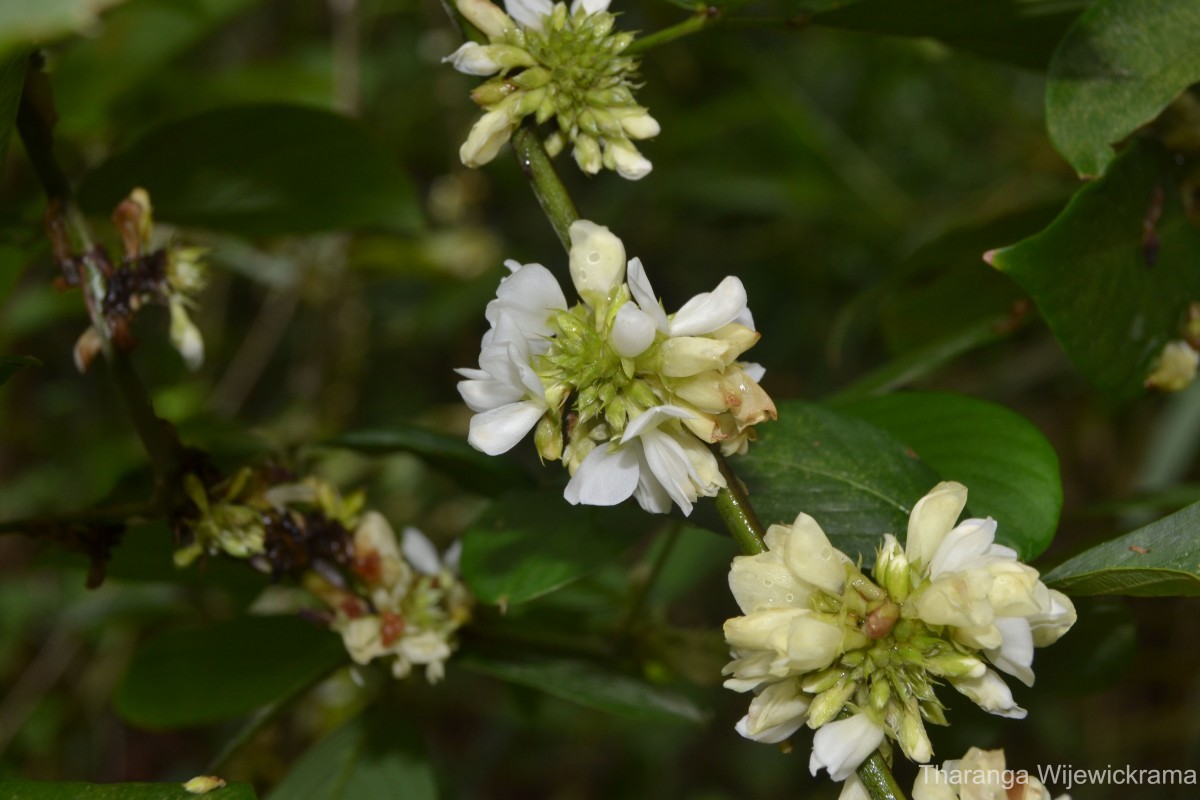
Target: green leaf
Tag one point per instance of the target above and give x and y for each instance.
(1113, 295)
(194, 676)
(46, 790)
(589, 685)
(472, 469)
(374, 755)
(1009, 468)
(853, 478)
(1022, 32)
(261, 170)
(12, 83)
(26, 22)
(134, 43)
(1100, 648)
(1119, 66)
(10, 365)
(530, 543)
(1158, 560)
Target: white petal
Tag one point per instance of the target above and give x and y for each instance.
(775, 714)
(1050, 626)
(632, 331)
(932, 518)
(597, 258)
(853, 789)
(754, 372)
(497, 431)
(708, 311)
(529, 13)
(840, 746)
(484, 395)
(453, 556)
(590, 6)
(605, 478)
(489, 133)
(652, 496)
(643, 293)
(763, 581)
(809, 555)
(990, 693)
(963, 547)
(531, 296)
(420, 552)
(651, 418)
(666, 462)
(1015, 654)
(933, 784)
(472, 59)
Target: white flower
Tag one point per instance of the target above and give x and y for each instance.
(840, 746)
(1175, 368)
(776, 713)
(655, 462)
(530, 13)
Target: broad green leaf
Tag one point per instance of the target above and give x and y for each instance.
(375, 755)
(12, 82)
(134, 42)
(855, 479)
(1118, 67)
(1160, 559)
(261, 170)
(590, 685)
(530, 543)
(1008, 467)
(47, 790)
(10, 365)
(1112, 293)
(1022, 32)
(485, 474)
(192, 676)
(26, 22)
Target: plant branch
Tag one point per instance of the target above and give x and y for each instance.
(738, 515)
(704, 18)
(543, 177)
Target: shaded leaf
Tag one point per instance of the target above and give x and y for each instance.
(374, 755)
(10, 365)
(1023, 32)
(472, 469)
(26, 22)
(1118, 67)
(46, 790)
(195, 675)
(1007, 465)
(530, 543)
(1160, 559)
(261, 170)
(854, 478)
(1099, 649)
(134, 42)
(590, 685)
(1113, 293)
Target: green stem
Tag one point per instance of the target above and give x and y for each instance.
(737, 513)
(878, 780)
(543, 177)
(703, 19)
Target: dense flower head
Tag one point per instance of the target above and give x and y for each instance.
(551, 62)
(820, 639)
(406, 604)
(628, 396)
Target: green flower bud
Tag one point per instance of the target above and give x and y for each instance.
(828, 704)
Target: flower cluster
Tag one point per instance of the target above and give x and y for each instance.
(551, 62)
(643, 393)
(820, 638)
(171, 276)
(978, 775)
(385, 598)
(408, 602)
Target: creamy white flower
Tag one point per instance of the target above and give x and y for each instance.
(840, 746)
(597, 260)
(489, 133)
(505, 391)
(655, 462)
(978, 775)
(775, 714)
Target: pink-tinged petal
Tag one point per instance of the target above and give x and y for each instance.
(632, 331)
(840, 746)
(963, 547)
(498, 430)
(420, 552)
(1015, 654)
(931, 519)
(709, 311)
(643, 293)
(605, 478)
(529, 13)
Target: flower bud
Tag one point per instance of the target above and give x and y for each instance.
(627, 161)
(587, 154)
(488, 17)
(533, 78)
(828, 704)
(493, 92)
(640, 126)
(548, 438)
(487, 136)
(597, 259)
(892, 570)
(1175, 369)
(474, 59)
(914, 741)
